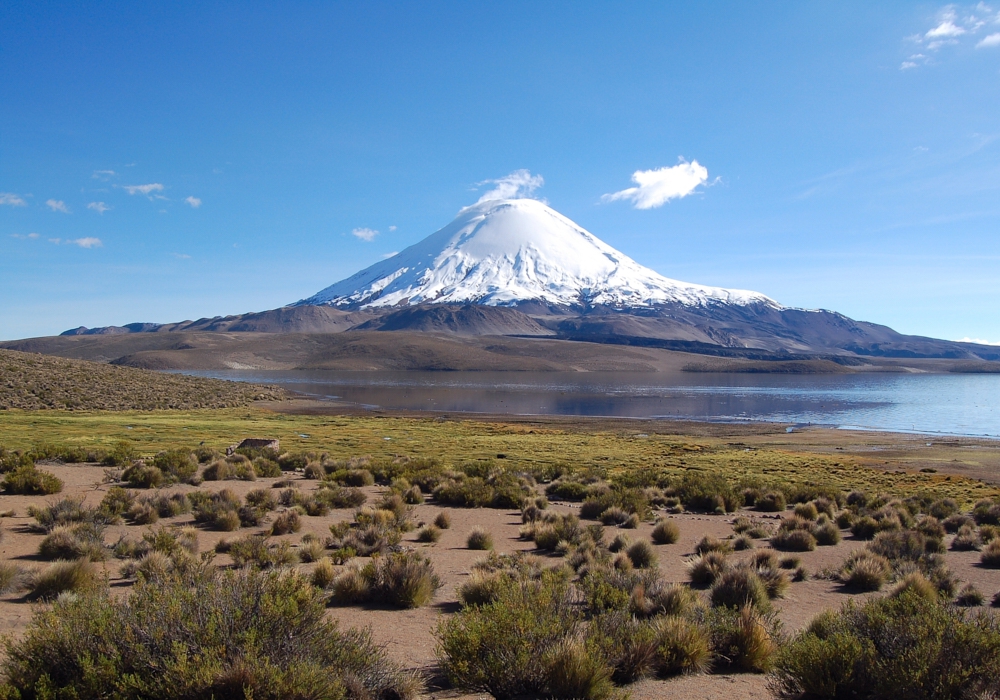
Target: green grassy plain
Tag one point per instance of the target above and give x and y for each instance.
(523, 446)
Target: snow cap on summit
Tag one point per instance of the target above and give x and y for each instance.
(501, 252)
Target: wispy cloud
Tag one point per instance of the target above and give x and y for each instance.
(392, 228)
(390, 255)
(519, 184)
(12, 200)
(99, 207)
(193, 202)
(146, 190)
(25, 236)
(182, 256)
(952, 26)
(88, 242)
(977, 341)
(654, 188)
(103, 174)
(57, 205)
(365, 234)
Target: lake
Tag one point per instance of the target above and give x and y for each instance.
(950, 404)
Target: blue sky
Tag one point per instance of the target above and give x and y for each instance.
(169, 161)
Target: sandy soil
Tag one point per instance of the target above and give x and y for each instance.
(408, 635)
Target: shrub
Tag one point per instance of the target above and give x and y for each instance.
(681, 647)
(142, 476)
(176, 465)
(990, 555)
(314, 470)
(429, 533)
(793, 541)
(619, 543)
(266, 468)
(254, 551)
(310, 549)
(904, 646)
(575, 671)
(740, 587)
(26, 480)
(772, 502)
(806, 510)
(864, 528)
(143, 514)
(710, 492)
(286, 522)
(443, 520)
(827, 534)
(900, 545)
(742, 543)
(967, 540)
(943, 508)
(84, 540)
(267, 635)
(666, 532)
(340, 497)
(743, 638)
(13, 578)
(501, 647)
(969, 597)
(323, 573)
(64, 576)
(479, 538)
(865, 571)
(641, 555)
(789, 562)
(713, 544)
(219, 470)
(398, 579)
(292, 461)
(704, 570)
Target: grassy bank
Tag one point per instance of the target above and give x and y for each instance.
(518, 446)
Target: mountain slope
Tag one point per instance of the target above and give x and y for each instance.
(505, 252)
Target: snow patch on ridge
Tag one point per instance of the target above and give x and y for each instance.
(502, 252)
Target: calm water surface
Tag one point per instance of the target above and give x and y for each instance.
(928, 403)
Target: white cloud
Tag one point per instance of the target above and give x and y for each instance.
(906, 65)
(57, 205)
(390, 255)
(103, 174)
(143, 189)
(12, 200)
(29, 236)
(977, 341)
(182, 256)
(88, 242)
(99, 207)
(392, 228)
(365, 234)
(989, 42)
(654, 188)
(947, 28)
(194, 202)
(520, 183)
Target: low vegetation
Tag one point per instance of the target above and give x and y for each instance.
(260, 635)
(33, 382)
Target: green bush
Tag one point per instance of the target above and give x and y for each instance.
(178, 466)
(710, 492)
(772, 502)
(865, 571)
(429, 533)
(990, 555)
(576, 672)
(743, 639)
(793, 541)
(895, 647)
(235, 635)
(286, 522)
(479, 539)
(642, 555)
(501, 647)
(26, 480)
(143, 476)
(681, 647)
(704, 570)
(83, 540)
(13, 578)
(443, 520)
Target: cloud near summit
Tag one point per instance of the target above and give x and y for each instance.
(654, 188)
(520, 183)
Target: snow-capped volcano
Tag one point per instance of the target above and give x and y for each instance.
(507, 251)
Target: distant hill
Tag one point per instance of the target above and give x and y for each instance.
(32, 382)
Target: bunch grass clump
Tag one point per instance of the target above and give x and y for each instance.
(479, 539)
(398, 579)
